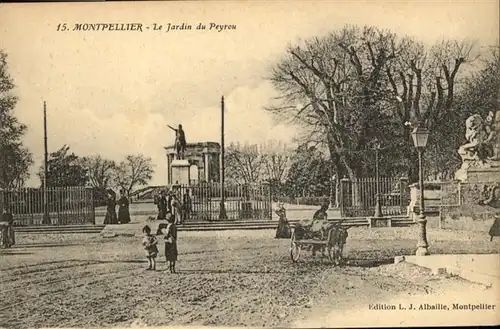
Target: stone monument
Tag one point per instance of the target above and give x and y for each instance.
(180, 172)
(481, 154)
(201, 162)
(473, 200)
(179, 167)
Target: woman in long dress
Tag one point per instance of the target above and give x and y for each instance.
(123, 209)
(171, 244)
(283, 230)
(8, 238)
(111, 210)
(162, 206)
(495, 228)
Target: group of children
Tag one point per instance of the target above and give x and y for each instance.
(150, 244)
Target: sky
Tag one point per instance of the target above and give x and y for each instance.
(114, 92)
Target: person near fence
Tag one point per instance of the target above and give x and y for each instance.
(283, 230)
(123, 209)
(321, 213)
(111, 217)
(171, 252)
(186, 206)
(168, 199)
(8, 238)
(176, 209)
(150, 244)
(162, 206)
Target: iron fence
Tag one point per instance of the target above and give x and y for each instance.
(65, 205)
(241, 202)
(358, 198)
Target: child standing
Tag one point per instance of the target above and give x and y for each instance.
(150, 243)
(171, 243)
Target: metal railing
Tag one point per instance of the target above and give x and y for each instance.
(242, 201)
(358, 198)
(65, 205)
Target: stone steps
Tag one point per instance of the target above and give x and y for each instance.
(133, 228)
(60, 229)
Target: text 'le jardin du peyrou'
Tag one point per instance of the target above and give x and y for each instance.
(139, 27)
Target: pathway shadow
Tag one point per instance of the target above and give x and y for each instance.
(45, 245)
(131, 261)
(7, 252)
(221, 272)
(367, 262)
(319, 263)
(215, 250)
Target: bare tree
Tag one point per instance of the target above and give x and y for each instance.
(331, 85)
(101, 172)
(276, 161)
(135, 170)
(423, 82)
(244, 163)
(358, 84)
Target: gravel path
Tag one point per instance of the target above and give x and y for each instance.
(238, 278)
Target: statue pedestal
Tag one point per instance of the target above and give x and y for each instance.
(479, 175)
(203, 158)
(473, 202)
(180, 172)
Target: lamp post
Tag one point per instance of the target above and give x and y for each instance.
(333, 190)
(420, 136)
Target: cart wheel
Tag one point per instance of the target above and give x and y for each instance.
(294, 249)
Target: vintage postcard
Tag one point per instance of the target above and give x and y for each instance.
(249, 164)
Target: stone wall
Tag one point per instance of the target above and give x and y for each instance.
(432, 199)
(462, 209)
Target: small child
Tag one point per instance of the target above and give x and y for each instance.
(150, 243)
(171, 243)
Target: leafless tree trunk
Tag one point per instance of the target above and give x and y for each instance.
(423, 83)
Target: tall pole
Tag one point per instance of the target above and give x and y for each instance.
(46, 217)
(3, 191)
(222, 213)
(378, 205)
(376, 171)
(422, 244)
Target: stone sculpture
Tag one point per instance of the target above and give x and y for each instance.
(482, 149)
(180, 142)
(492, 196)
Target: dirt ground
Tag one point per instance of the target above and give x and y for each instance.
(235, 278)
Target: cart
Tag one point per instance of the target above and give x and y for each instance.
(330, 238)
